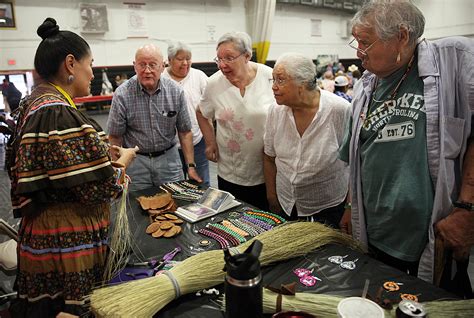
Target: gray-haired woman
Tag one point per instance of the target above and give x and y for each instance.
(193, 82)
(237, 97)
(409, 138)
(303, 133)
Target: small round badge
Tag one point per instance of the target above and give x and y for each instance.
(204, 243)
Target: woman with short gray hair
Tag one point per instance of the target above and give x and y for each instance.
(238, 97)
(411, 132)
(193, 82)
(304, 178)
(241, 40)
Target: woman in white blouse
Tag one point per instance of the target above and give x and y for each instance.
(304, 177)
(237, 97)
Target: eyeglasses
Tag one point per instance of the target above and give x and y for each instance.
(354, 43)
(278, 81)
(151, 66)
(227, 60)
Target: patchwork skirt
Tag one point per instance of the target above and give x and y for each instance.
(62, 254)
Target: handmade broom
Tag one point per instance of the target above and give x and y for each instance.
(326, 305)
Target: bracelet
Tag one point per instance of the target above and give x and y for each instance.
(281, 219)
(254, 226)
(247, 228)
(234, 228)
(265, 215)
(229, 231)
(261, 218)
(464, 205)
(348, 205)
(231, 239)
(222, 241)
(258, 222)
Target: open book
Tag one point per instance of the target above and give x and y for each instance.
(212, 202)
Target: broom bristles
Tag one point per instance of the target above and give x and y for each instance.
(326, 305)
(120, 239)
(146, 297)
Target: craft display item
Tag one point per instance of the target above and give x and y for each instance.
(391, 286)
(204, 243)
(349, 265)
(409, 297)
(157, 204)
(145, 297)
(165, 225)
(337, 259)
(306, 277)
(183, 190)
(301, 272)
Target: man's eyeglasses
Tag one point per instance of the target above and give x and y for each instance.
(227, 60)
(278, 81)
(151, 66)
(355, 45)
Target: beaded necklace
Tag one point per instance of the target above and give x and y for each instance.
(265, 215)
(229, 231)
(282, 220)
(234, 228)
(394, 92)
(258, 222)
(254, 226)
(230, 238)
(222, 241)
(247, 228)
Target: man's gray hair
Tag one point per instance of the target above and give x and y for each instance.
(241, 40)
(175, 47)
(387, 18)
(300, 68)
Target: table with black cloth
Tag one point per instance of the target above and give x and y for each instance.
(334, 280)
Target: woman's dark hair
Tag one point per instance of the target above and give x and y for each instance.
(54, 48)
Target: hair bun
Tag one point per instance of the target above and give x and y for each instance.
(48, 28)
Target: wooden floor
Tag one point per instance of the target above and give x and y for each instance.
(101, 118)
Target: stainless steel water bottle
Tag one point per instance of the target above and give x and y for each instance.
(243, 283)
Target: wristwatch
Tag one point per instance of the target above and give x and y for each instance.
(191, 165)
(464, 205)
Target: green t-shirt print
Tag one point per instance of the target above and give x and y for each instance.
(396, 184)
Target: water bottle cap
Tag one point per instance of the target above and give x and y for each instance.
(246, 265)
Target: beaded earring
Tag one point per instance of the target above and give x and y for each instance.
(337, 259)
(350, 265)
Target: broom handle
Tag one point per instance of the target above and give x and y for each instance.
(439, 260)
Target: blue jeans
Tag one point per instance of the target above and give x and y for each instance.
(202, 164)
(146, 172)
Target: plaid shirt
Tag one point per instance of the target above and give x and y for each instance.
(148, 121)
(343, 95)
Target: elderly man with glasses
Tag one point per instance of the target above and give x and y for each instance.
(238, 97)
(410, 144)
(147, 111)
